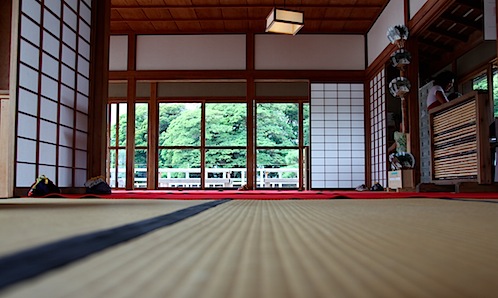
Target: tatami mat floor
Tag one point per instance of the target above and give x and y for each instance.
(250, 248)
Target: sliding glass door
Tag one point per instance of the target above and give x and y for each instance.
(225, 145)
(197, 136)
(280, 136)
(179, 145)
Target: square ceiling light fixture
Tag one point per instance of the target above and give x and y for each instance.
(284, 21)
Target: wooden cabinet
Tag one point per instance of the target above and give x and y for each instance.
(460, 145)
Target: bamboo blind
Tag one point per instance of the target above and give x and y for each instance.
(460, 145)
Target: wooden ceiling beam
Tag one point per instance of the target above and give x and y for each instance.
(194, 19)
(312, 75)
(477, 5)
(458, 37)
(462, 21)
(436, 45)
(221, 6)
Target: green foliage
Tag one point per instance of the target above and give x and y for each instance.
(275, 127)
(184, 130)
(141, 125)
(167, 113)
(481, 83)
(123, 124)
(226, 126)
(225, 158)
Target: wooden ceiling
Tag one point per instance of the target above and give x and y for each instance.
(457, 29)
(239, 16)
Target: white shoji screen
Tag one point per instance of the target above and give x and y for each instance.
(337, 135)
(378, 139)
(54, 71)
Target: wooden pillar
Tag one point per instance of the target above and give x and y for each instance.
(250, 96)
(9, 18)
(97, 123)
(130, 135)
(412, 105)
(152, 151)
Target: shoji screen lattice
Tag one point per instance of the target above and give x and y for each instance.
(337, 135)
(378, 140)
(54, 69)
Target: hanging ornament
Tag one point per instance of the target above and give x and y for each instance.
(398, 35)
(401, 58)
(399, 87)
(401, 160)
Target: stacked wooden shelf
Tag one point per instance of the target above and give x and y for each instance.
(460, 140)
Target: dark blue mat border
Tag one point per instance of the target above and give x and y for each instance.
(38, 260)
(470, 200)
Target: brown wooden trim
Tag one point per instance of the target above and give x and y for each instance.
(200, 99)
(132, 48)
(152, 160)
(412, 72)
(207, 5)
(130, 135)
(406, 4)
(483, 148)
(203, 145)
(250, 51)
(301, 144)
(282, 99)
(491, 89)
(99, 72)
(5, 35)
(428, 12)
(368, 132)
(350, 76)
(251, 125)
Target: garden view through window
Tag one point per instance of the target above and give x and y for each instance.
(204, 144)
(481, 83)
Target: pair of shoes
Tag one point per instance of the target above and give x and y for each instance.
(362, 187)
(377, 187)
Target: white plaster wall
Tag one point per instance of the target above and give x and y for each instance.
(118, 52)
(191, 52)
(415, 6)
(377, 40)
(337, 52)
(490, 19)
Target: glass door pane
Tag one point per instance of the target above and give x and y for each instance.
(226, 141)
(117, 145)
(277, 144)
(225, 168)
(179, 143)
(277, 168)
(141, 144)
(179, 168)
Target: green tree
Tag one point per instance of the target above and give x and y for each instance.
(274, 128)
(167, 113)
(226, 126)
(183, 131)
(141, 134)
(121, 134)
(481, 83)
